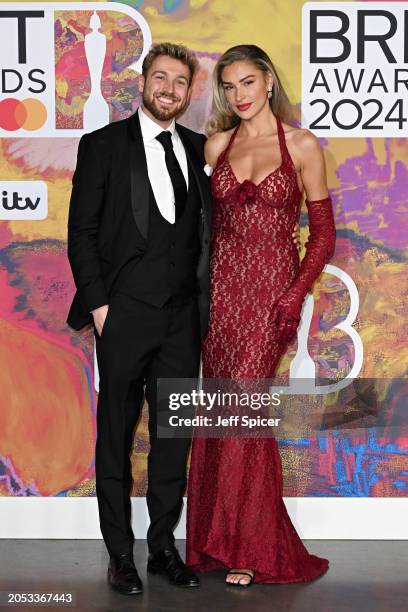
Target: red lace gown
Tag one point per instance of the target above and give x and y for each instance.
(236, 517)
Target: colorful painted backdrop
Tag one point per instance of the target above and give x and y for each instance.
(48, 403)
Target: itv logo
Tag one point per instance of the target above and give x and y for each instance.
(23, 200)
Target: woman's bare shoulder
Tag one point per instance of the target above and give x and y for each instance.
(215, 144)
(302, 139)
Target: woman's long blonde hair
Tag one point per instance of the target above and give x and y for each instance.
(224, 118)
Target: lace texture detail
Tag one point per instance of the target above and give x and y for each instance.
(236, 516)
(319, 250)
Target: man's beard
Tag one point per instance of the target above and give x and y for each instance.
(163, 114)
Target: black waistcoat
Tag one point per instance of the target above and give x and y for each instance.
(168, 268)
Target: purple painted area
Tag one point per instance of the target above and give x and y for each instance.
(364, 182)
(11, 482)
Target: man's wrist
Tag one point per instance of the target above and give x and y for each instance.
(95, 309)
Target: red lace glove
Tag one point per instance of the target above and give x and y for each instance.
(319, 250)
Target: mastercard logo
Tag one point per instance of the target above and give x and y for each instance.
(29, 114)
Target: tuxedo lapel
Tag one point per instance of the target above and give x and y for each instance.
(199, 174)
(139, 179)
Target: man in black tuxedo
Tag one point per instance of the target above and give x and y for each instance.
(138, 245)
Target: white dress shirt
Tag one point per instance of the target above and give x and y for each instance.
(156, 165)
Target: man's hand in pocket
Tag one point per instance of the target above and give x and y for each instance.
(99, 316)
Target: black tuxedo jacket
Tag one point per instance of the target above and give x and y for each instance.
(110, 175)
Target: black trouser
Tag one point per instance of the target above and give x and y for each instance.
(140, 343)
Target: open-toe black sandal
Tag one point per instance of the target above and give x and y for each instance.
(240, 584)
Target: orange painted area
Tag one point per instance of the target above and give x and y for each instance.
(46, 422)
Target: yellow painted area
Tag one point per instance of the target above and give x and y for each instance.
(380, 151)
(368, 210)
(216, 25)
(61, 87)
(382, 222)
(196, 4)
(151, 11)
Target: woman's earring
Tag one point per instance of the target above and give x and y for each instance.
(270, 93)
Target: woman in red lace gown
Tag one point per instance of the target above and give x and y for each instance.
(236, 517)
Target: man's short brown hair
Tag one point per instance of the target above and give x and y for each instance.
(178, 52)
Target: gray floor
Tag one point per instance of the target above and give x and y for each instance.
(369, 576)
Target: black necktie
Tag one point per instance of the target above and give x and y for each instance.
(175, 172)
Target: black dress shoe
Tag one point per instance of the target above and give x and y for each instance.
(123, 576)
(169, 562)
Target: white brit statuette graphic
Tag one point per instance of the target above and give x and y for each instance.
(96, 109)
(302, 370)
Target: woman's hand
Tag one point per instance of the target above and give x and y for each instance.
(288, 309)
(296, 236)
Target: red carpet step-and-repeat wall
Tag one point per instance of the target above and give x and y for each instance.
(68, 68)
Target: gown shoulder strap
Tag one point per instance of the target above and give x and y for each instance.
(286, 158)
(225, 151)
